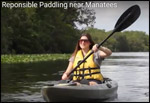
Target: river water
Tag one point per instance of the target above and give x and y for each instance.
(23, 82)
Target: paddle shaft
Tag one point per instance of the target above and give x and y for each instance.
(100, 44)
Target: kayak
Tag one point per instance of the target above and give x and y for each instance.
(71, 92)
(64, 92)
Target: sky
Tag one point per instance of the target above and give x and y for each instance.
(106, 17)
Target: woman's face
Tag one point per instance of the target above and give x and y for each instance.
(84, 42)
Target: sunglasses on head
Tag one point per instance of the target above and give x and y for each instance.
(85, 40)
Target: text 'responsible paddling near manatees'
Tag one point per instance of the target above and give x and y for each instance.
(57, 4)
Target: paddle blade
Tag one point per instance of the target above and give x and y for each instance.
(128, 18)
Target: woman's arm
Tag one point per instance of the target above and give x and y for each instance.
(104, 52)
(68, 70)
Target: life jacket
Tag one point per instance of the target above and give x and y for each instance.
(88, 69)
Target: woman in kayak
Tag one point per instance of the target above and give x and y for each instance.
(88, 71)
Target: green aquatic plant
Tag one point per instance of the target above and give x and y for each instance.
(27, 58)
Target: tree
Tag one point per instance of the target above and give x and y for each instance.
(42, 30)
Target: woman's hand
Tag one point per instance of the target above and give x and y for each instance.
(95, 47)
(64, 76)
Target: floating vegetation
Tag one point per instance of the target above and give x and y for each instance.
(27, 58)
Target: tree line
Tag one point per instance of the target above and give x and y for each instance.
(45, 30)
(125, 41)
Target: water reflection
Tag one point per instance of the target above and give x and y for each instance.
(19, 81)
(23, 82)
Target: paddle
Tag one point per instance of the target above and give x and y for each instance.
(125, 20)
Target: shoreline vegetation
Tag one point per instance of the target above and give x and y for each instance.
(31, 58)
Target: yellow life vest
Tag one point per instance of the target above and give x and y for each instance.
(88, 69)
